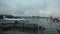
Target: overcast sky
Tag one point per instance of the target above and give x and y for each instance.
(30, 7)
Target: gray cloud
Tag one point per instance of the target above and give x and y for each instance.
(30, 7)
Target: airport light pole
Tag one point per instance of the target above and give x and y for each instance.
(38, 25)
(38, 28)
(43, 28)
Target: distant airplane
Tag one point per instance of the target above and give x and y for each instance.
(11, 20)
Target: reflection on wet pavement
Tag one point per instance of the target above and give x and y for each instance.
(51, 28)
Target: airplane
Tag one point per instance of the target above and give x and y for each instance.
(4, 19)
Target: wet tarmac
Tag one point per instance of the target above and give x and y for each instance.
(51, 27)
